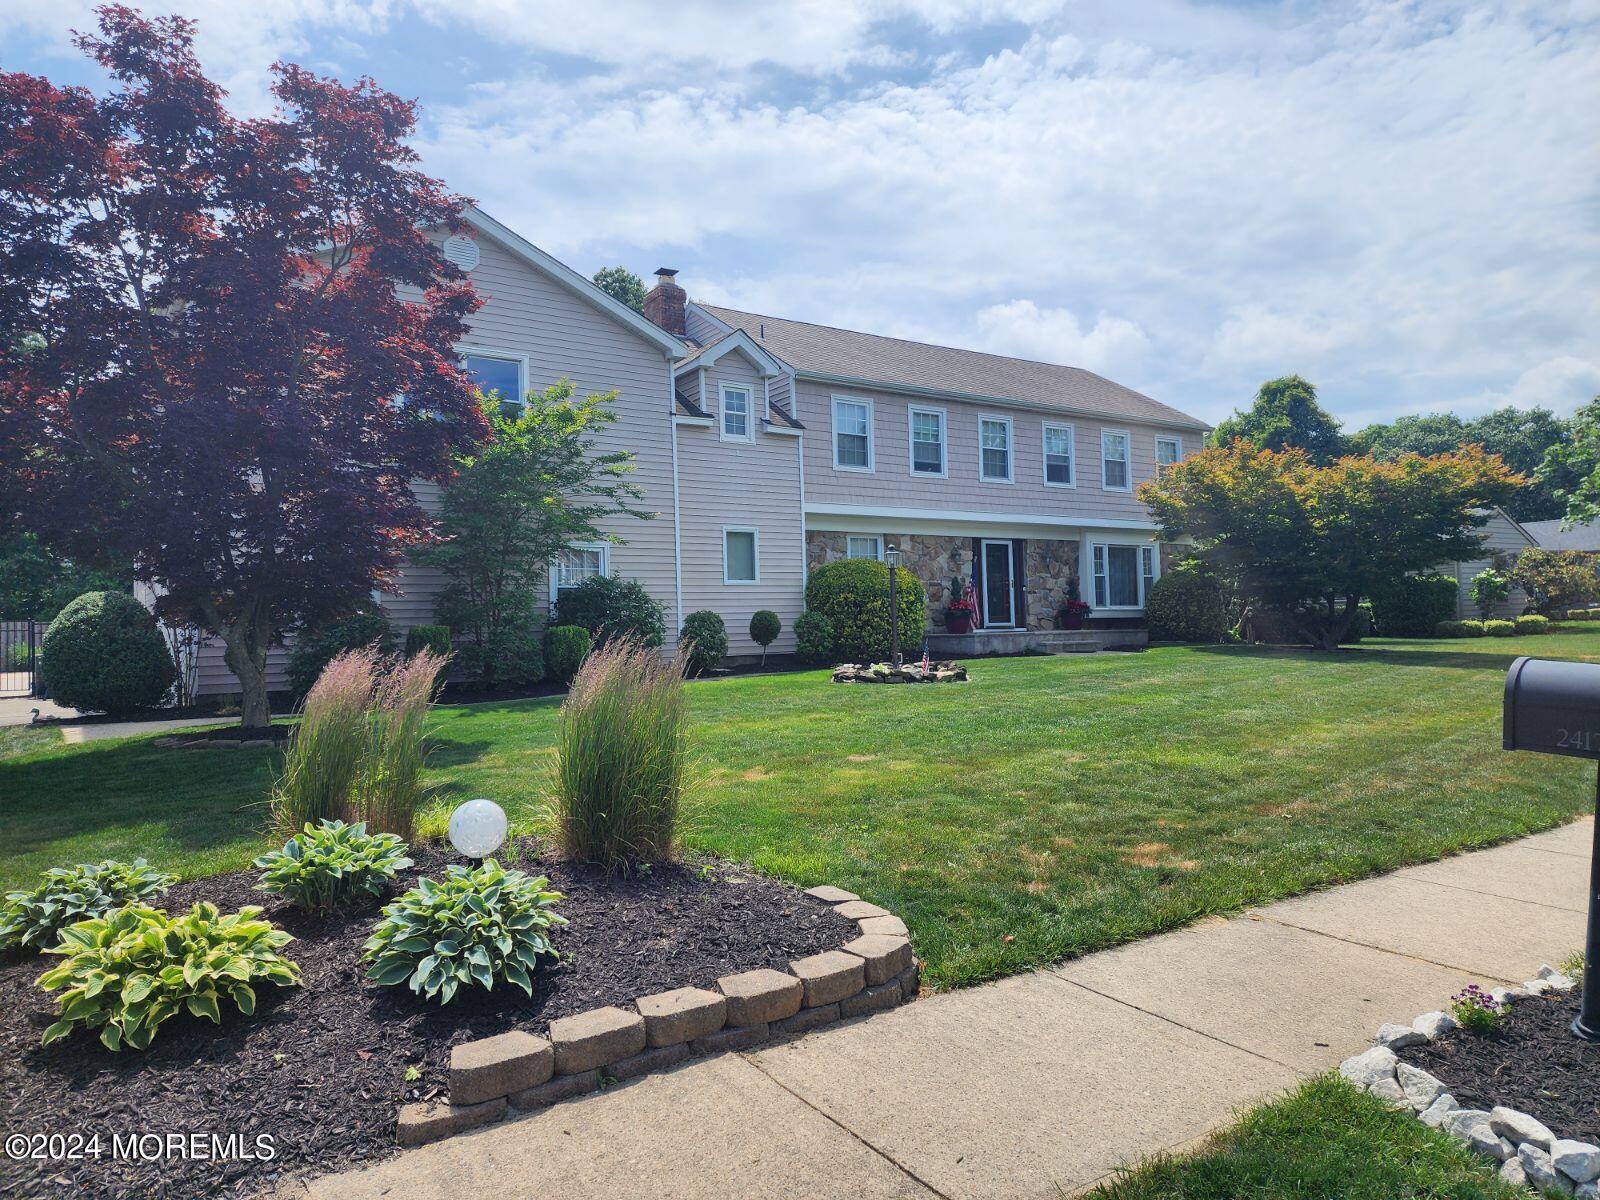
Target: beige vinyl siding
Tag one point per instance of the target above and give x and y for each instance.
(701, 328)
(753, 484)
(781, 390)
(1500, 535)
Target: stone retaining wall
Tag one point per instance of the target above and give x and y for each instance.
(871, 972)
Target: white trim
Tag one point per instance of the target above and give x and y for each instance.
(677, 509)
(574, 282)
(950, 516)
(695, 422)
(749, 434)
(911, 442)
(755, 554)
(875, 538)
(1139, 549)
(800, 475)
(1011, 450)
(478, 350)
(605, 564)
(780, 430)
(1011, 575)
(872, 424)
(1177, 445)
(701, 376)
(767, 364)
(1127, 459)
(1072, 453)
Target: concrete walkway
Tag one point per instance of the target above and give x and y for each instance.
(1043, 1084)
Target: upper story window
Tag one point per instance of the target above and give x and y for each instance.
(498, 375)
(1168, 451)
(735, 412)
(1059, 468)
(994, 449)
(1116, 474)
(852, 434)
(741, 562)
(863, 546)
(927, 441)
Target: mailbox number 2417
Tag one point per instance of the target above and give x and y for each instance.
(1586, 740)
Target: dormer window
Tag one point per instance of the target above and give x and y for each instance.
(735, 413)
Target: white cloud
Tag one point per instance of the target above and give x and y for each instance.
(1561, 383)
(1024, 330)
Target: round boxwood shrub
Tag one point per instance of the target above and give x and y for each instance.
(1413, 605)
(1472, 628)
(609, 607)
(764, 630)
(318, 645)
(512, 658)
(1532, 623)
(1186, 605)
(853, 594)
(1450, 629)
(428, 637)
(813, 638)
(565, 648)
(1499, 628)
(705, 640)
(103, 652)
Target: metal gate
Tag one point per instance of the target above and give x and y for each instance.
(19, 657)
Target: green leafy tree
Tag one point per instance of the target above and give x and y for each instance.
(1415, 433)
(1310, 540)
(1556, 580)
(539, 486)
(1285, 414)
(1490, 589)
(1571, 469)
(36, 585)
(622, 285)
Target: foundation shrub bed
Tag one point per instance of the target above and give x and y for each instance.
(1187, 604)
(854, 595)
(1532, 623)
(332, 865)
(67, 895)
(315, 647)
(1500, 628)
(1413, 605)
(1458, 629)
(428, 637)
(104, 653)
(610, 608)
(704, 640)
(813, 638)
(565, 648)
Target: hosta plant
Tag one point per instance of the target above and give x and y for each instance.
(126, 973)
(67, 895)
(332, 865)
(473, 928)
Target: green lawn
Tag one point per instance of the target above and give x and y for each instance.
(1327, 1141)
(1050, 807)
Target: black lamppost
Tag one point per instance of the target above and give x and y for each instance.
(891, 555)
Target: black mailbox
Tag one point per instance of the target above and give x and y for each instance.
(1553, 707)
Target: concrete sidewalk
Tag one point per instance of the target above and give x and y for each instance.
(1046, 1083)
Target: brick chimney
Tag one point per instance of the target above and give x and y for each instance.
(664, 303)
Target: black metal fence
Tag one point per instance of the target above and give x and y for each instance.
(19, 657)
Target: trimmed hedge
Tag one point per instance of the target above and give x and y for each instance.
(853, 594)
(565, 648)
(813, 638)
(103, 652)
(607, 607)
(1532, 623)
(1186, 605)
(1413, 605)
(428, 637)
(514, 658)
(317, 646)
(705, 639)
(1499, 628)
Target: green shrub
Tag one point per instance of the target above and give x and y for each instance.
(1579, 614)
(609, 607)
(1186, 604)
(1499, 628)
(565, 648)
(853, 594)
(317, 646)
(620, 756)
(813, 638)
(1360, 624)
(1451, 629)
(1532, 623)
(476, 927)
(428, 637)
(18, 656)
(67, 895)
(103, 652)
(126, 973)
(705, 640)
(510, 658)
(332, 865)
(764, 630)
(1413, 605)
(1490, 588)
(1472, 628)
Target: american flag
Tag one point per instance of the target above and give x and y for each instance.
(924, 656)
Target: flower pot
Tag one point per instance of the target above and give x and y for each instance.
(1071, 620)
(958, 623)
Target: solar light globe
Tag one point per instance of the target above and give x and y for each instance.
(477, 828)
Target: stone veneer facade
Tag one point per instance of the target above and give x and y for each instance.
(935, 559)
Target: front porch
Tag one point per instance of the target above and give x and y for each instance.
(1032, 641)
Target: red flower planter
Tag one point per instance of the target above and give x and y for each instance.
(958, 622)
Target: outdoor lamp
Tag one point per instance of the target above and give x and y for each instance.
(477, 828)
(891, 556)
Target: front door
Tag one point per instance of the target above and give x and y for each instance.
(999, 594)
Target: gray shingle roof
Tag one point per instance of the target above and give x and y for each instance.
(1551, 536)
(823, 350)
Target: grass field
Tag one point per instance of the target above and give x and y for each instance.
(1050, 807)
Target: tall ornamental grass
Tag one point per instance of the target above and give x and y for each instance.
(621, 756)
(358, 752)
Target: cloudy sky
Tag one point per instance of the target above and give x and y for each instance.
(1399, 201)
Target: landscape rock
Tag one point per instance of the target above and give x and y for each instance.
(1540, 1171)
(735, 1037)
(1561, 983)
(1462, 1121)
(806, 1019)
(499, 1065)
(1511, 1171)
(885, 957)
(423, 1123)
(1434, 1024)
(829, 894)
(1367, 1068)
(595, 1038)
(1519, 1127)
(658, 1058)
(891, 925)
(856, 910)
(760, 997)
(562, 1087)
(1436, 1112)
(1500, 995)
(910, 981)
(1578, 1161)
(1398, 1037)
(1483, 1140)
(1389, 1092)
(1421, 1089)
(1587, 1191)
(871, 1000)
(829, 977)
(681, 1015)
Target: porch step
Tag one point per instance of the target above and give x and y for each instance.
(1032, 641)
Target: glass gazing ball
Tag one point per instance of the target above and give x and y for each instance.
(477, 828)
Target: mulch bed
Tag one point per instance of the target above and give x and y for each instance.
(321, 1067)
(1532, 1063)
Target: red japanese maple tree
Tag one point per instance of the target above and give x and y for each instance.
(225, 344)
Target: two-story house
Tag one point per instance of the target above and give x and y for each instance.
(766, 446)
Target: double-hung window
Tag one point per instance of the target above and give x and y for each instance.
(498, 375)
(741, 556)
(571, 567)
(1116, 473)
(994, 449)
(1168, 451)
(1059, 468)
(852, 434)
(1122, 574)
(735, 413)
(927, 441)
(863, 546)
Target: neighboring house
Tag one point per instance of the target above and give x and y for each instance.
(767, 446)
(1503, 540)
(1550, 535)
